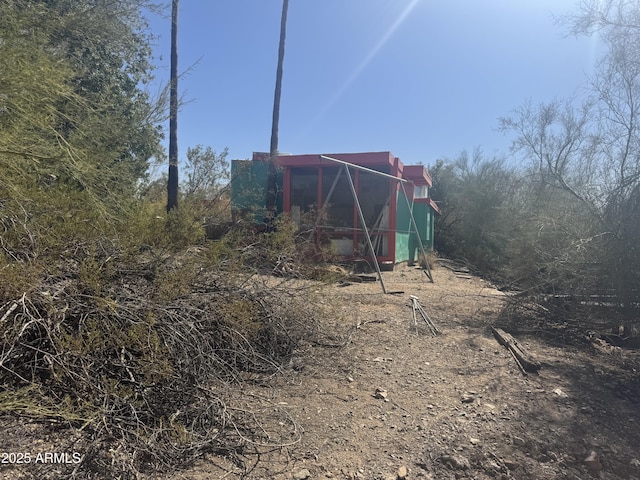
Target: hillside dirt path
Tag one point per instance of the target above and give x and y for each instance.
(395, 403)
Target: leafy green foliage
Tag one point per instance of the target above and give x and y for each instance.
(71, 110)
(76, 129)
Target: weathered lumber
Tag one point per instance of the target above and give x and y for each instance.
(526, 361)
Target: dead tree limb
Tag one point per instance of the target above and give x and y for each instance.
(525, 360)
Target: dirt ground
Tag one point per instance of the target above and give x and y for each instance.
(396, 402)
(384, 398)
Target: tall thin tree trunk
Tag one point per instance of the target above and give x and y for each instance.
(273, 150)
(172, 184)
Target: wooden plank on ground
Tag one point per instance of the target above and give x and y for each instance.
(527, 362)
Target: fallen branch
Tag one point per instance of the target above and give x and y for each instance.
(525, 361)
(150, 377)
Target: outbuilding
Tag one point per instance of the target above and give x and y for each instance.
(357, 202)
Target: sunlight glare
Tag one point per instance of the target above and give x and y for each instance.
(363, 64)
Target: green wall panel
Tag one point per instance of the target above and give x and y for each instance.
(249, 188)
(407, 247)
(402, 247)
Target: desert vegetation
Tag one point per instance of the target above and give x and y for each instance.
(557, 217)
(117, 318)
(123, 327)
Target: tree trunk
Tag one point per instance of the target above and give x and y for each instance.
(273, 150)
(172, 184)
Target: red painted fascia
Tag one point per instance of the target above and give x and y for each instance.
(315, 160)
(418, 174)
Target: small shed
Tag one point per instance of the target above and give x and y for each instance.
(391, 198)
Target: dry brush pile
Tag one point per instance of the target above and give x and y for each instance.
(142, 356)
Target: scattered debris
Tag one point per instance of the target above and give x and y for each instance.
(510, 463)
(463, 276)
(525, 360)
(452, 265)
(367, 278)
(468, 398)
(560, 393)
(382, 359)
(303, 474)
(455, 462)
(362, 324)
(380, 393)
(593, 462)
(417, 307)
(402, 472)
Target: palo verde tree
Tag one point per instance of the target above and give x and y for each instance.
(616, 87)
(604, 15)
(586, 159)
(76, 129)
(206, 172)
(550, 244)
(106, 45)
(102, 51)
(473, 192)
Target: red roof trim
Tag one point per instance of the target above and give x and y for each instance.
(418, 174)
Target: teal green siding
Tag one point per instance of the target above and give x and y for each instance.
(249, 188)
(407, 246)
(423, 215)
(403, 229)
(402, 247)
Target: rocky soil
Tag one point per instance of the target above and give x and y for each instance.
(383, 398)
(396, 401)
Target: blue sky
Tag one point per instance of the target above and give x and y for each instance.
(423, 79)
